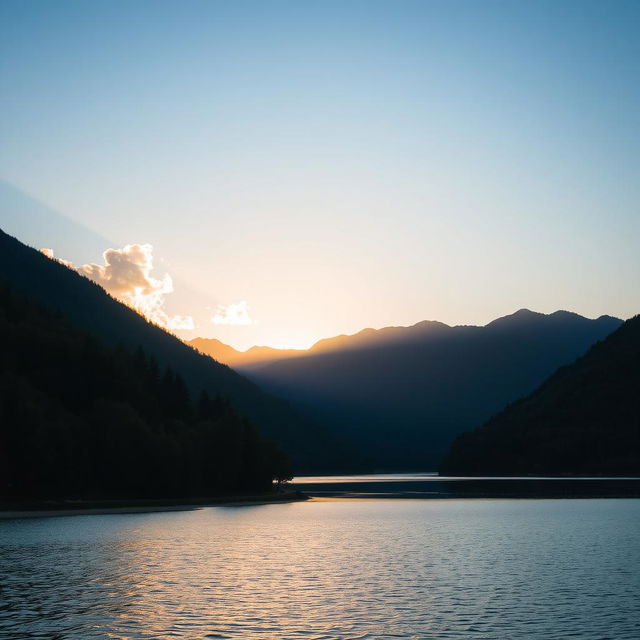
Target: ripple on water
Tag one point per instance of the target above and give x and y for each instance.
(326, 571)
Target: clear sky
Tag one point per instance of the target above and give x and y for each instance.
(327, 166)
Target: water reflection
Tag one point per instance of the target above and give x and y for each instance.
(395, 569)
(430, 485)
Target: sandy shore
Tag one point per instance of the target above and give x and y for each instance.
(86, 508)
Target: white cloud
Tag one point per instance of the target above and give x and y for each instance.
(126, 275)
(236, 313)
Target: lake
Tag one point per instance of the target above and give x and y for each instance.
(328, 569)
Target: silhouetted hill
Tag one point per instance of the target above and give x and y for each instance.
(87, 307)
(80, 419)
(368, 338)
(257, 357)
(228, 355)
(402, 394)
(583, 420)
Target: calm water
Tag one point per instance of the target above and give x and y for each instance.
(431, 485)
(503, 569)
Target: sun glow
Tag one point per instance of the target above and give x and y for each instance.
(126, 275)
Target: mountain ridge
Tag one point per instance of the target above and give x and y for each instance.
(368, 337)
(583, 419)
(404, 396)
(88, 307)
(81, 419)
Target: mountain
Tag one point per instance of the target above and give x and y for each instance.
(257, 357)
(402, 394)
(81, 419)
(87, 307)
(228, 355)
(583, 420)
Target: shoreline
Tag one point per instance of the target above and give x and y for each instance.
(435, 488)
(342, 490)
(359, 497)
(66, 508)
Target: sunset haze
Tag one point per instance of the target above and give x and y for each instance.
(334, 166)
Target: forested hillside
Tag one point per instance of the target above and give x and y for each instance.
(81, 419)
(585, 419)
(87, 307)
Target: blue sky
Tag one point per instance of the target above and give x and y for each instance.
(336, 165)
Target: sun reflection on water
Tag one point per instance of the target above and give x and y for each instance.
(326, 570)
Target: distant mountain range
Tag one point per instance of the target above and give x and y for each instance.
(401, 395)
(87, 307)
(255, 356)
(584, 420)
(389, 399)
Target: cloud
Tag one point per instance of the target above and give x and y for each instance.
(236, 313)
(126, 275)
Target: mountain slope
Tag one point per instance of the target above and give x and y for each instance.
(585, 419)
(401, 395)
(87, 307)
(80, 419)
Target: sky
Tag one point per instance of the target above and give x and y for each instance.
(288, 171)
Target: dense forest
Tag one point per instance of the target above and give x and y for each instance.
(79, 418)
(87, 307)
(585, 419)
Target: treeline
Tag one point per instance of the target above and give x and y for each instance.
(584, 420)
(81, 419)
(87, 307)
